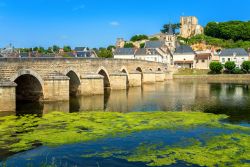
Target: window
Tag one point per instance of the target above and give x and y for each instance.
(229, 59)
(223, 60)
(203, 61)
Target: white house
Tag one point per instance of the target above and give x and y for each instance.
(184, 57)
(237, 55)
(124, 53)
(148, 55)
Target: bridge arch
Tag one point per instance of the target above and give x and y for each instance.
(125, 71)
(102, 71)
(159, 69)
(74, 83)
(29, 85)
(139, 69)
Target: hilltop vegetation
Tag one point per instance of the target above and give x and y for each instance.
(232, 34)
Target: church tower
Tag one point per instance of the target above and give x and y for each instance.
(170, 39)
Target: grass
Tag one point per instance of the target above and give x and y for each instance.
(187, 71)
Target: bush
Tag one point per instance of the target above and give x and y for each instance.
(230, 66)
(216, 67)
(246, 66)
(237, 71)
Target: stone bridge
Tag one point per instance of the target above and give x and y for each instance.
(51, 79)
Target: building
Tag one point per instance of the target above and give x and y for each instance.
(184, 57)
(124, 53)
(237, 55)
(120, 42)
(190, 27)
(160, 50)
(84, 52)
(148, 55)
(203, 60)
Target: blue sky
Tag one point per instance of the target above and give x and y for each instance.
(96, 23)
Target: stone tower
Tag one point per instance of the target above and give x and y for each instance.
(190, 27)
(120, 43)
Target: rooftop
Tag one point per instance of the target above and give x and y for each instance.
(234, 51)
(154, 44)
(184, 49)
(124, 51)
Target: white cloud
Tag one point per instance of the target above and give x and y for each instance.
(114, 23)
(80, 7)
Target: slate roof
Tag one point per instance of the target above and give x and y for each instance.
(145, 51)
(124, 51)
(231, 52)
(85, 54)
(184, 49)
(154, 44)
(79, 49)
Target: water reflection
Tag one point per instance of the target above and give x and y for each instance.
(178, 95)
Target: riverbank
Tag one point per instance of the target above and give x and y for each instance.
(215, 77)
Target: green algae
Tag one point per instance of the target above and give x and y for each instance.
(54, 129)
(223, 150)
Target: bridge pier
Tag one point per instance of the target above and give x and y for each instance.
(149, 77)
(56, 87)
(92, 84)
(7, 96)
(160, 76)
(118, 81)
(135, 79)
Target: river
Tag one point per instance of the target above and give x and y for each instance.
(228, 98)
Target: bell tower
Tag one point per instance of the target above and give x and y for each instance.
(170, 39)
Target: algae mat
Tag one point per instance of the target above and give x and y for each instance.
(56, 129)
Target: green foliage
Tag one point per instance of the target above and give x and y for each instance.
(139, 38)
(216, 67)
(174, 27)
(142, 45)
(230, 66)
(111, 47)
(235, 30)
(246, 66)
(129, 45)
(67, 49)
(237, 71)
(104, 53)
(55, 48)
(154, 39)
(216, 42)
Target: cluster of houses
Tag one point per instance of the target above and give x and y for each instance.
(79, 52)
(168, 50)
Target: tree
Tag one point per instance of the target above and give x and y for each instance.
(104, 53)
(234, 30)
(142, 45)
(55, 48)
(111, 47)
(139, 38)
(230, 66)
(154, 39)
(129, 45)
(216, 67)
(246, 66)
(67, 49)
(175, 27)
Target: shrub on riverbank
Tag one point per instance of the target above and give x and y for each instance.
(246, 66)
(215, 67)
(230, 66)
